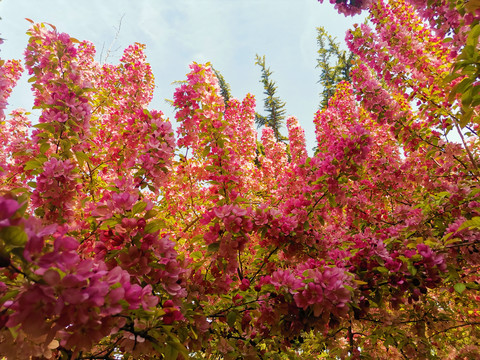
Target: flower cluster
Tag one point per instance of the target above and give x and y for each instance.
(467, 240)
(65, 296)
(230, 228)
(49, 57)
(200, 107)
(55, 190)
(311, 290)
(350, 7)
(10, 72)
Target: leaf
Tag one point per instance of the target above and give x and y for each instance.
(382, 269)
(360, 282)
(460, 287)
(472, 223)
(463, 85)
(153, 226)
(412, 269)
(206, 151)
(232, 318)
(213, 247)
(33, 165)
(9, 295)
(44, 148)
(467, 97)
(150, 214)
(177, 347)
(14, 236)
(170, 352)
(82, 158)
(139, 207)
(146, 112)
(474, 32)
(196, 255)
(388, 341)
(45, 126)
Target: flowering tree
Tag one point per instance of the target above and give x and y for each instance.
(121, 240)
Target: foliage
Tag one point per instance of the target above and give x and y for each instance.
(119, 239)
(335, 65)
(274, 107)
(225, 89)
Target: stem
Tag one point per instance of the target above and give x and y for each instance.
(261, 267)
(454, 327)
(470, 155)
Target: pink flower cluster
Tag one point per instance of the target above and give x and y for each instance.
(350, 7)
(10, 72)
(67, 297)
(324, 291)
(408, 271)
(468, 243)
(167, 271)
(296, 139)
(230, 228)
(56, 188)
(445, 19)
(157, 145)
(59, 87)
(135, 82)
(199, 106)
(343, 141)
(274, 161)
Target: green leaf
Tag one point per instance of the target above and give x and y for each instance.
(388, 341)
(331, 200)
(146, 112)
(33, 165)
(382, 269)
(82, 158)
(467, 97)
(13, 236)
(173, 348)
(463, 85)
(45, 126)
(206, 151)
(139, 207)
(412, 269)
(150, 214)
(196, 255)
(9, 295)
(473, 35)
(211, 168)
(472, 223)
(460, 287)
(232, 318)
(153, 226)
(44, 148)
(213, 247)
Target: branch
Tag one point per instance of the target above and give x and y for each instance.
(454, 327)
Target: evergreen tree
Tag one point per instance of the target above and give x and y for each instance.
(225, 89)
(335, 65)
(274, 107)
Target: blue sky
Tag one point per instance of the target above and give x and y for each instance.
(226, 33)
